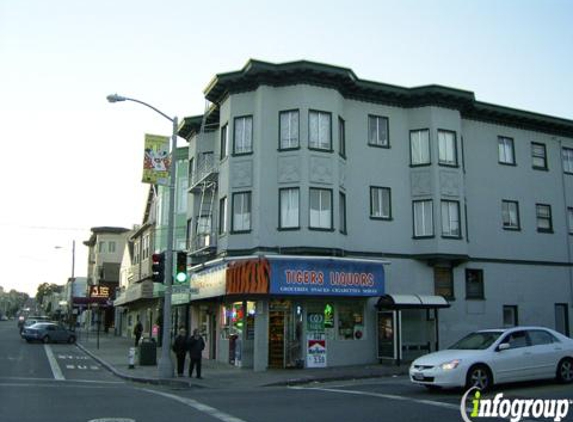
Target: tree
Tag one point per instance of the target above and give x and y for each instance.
(46, 289)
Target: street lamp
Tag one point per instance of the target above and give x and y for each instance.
(165, 363)
(70, 298)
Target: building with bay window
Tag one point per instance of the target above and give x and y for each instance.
(302, 175)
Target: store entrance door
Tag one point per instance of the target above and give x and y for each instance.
(277, 339)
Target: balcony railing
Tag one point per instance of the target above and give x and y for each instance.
(207, 168)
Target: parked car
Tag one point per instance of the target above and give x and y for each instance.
(30, 320)
(48, 332)
(485, 357)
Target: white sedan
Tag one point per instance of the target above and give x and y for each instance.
(486, 357)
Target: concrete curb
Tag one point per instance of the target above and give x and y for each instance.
(145, 380)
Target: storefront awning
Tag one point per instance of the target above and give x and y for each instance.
(412, 302)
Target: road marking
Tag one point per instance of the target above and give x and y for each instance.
(385, 396)
(56, 370)
(211, 411)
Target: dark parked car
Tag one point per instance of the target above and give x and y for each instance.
(48, 332)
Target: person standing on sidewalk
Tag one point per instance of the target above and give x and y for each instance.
(196, 344)
(180, 349)
(137, 331)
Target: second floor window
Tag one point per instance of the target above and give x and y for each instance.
(320, 209)
(289, 129)
(243, 135)
(223, 215)
(423, 218)
(506, 150)
(241, 212)
(380, 206)
(567, 154)
(474, 284)
(510, 215)
(289, 208)
(539, 156)
(447, 151)
(544, 219)
(319, 130)
(451, 219)
(342, 211)
(378, 131)
(419, 147)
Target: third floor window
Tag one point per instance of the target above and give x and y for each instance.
(378, 131)
(506, 150)
(447, 151)
(567, 154)
(243, 135)
(319, 130)
(419, 147)
(289, 129)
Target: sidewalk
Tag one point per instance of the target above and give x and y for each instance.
(113, 354)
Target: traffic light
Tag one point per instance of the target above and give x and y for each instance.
(158, 267)
(181, 269)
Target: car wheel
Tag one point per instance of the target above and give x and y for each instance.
(46, 339)
(72, 339)
(479, 376)
(565, 370)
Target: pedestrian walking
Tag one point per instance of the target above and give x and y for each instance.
(137, 331)
(196, 344)
(180, 349)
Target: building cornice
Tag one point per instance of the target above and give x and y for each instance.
(258, 73)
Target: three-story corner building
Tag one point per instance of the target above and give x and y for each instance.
(336, 221)
(105, 252)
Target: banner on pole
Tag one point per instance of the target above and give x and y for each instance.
(156, 160)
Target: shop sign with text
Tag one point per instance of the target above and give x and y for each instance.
(326, 277)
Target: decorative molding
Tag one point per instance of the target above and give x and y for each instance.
(242, 174)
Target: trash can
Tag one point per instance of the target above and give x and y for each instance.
(147, 352)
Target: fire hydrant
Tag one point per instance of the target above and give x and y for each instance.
(131, 357)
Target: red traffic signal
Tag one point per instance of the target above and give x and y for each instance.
(158, 267)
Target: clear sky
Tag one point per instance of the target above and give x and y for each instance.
(72, 161)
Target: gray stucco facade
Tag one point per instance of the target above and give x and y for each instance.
(483, 217)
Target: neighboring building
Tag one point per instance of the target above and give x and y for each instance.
(139, 296)
(296, 162)
(106, 245)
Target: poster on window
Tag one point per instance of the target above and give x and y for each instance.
(316, 351)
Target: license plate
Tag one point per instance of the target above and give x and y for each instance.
(418, 376)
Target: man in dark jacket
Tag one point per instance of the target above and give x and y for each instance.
(196, 344)
(137, 331)
(180, 350)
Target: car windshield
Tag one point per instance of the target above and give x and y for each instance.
(477, 341)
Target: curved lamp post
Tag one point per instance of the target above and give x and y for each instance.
(165, 363)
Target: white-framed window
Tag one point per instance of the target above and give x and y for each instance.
(567, 155)
(320, 209)
(539, 156)
(223, 220)
(510, 215)
(447, 151)
(243, 135)
(224, 141)
(506, 150)
(145, 247)
(380, 203)
(378, 131)
(289, 129)
(451, 219)
(289, 199)
(101, 247)
(423, 218)
(319, 130)
(419, 147)
(544, 218)
(241, 212)
(342, 212)
(341, 137)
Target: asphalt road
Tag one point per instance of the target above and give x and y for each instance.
(60, 383)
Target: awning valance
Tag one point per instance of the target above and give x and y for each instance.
(412, 302)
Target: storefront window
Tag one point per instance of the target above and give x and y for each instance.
(350, 321)
(232, 321)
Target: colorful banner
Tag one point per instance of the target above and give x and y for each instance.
(156, 160)
(326, 277)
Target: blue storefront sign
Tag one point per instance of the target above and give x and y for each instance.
(326, 277)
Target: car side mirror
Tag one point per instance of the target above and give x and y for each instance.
(503, 346)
